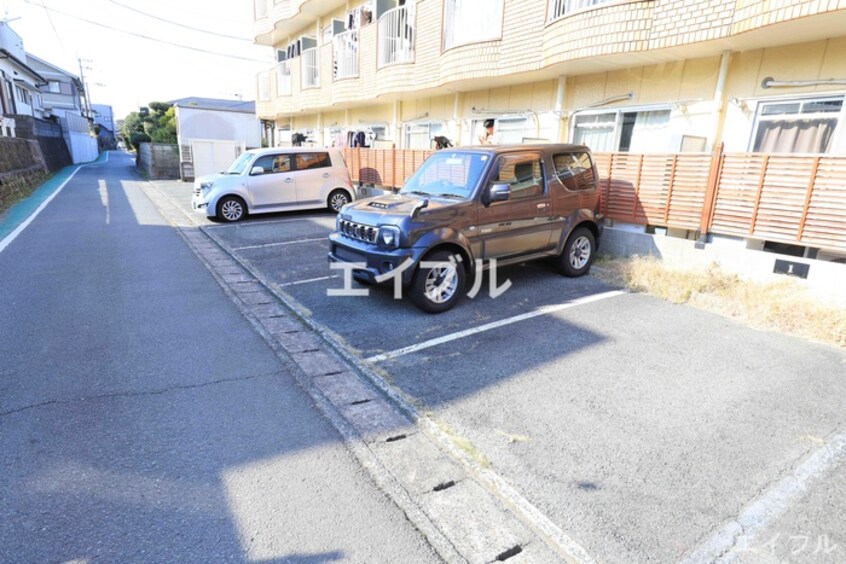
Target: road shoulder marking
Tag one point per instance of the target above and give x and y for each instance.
(546, 310)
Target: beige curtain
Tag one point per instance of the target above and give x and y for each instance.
(795, 136)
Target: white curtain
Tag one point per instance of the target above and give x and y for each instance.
(651, 132)
(596, 131)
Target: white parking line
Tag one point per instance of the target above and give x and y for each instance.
(740, 532)
(496, 324)
(248, 247)
(260, 222)
(309, 281)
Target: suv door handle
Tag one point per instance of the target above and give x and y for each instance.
(289, 179)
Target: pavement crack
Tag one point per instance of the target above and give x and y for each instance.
(139, 393)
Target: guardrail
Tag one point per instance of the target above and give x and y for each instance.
(309, 62)
(283, 78)
(345, 54)
(794, 199)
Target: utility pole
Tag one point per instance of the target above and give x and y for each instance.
(87, 100)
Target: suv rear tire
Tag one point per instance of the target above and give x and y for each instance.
(577, 256)
(437, 289)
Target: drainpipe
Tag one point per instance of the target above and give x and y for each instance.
(719, 100)
(560, 95)
(396, 124)
(456, 108)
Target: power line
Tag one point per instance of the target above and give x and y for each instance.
(165, 20)
(55, 32)
(147, 37)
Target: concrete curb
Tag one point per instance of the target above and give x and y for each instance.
(505, 519)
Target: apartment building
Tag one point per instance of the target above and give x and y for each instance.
(618, 75)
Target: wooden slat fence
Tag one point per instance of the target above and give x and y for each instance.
(796, 199)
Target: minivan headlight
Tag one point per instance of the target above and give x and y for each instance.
(206, 186)
(389, 236)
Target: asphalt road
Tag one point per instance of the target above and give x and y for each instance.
(644, 430)
(142, 418)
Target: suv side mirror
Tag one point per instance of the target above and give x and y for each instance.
(256, 170)
(500, 193)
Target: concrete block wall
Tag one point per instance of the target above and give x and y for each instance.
(158, 161)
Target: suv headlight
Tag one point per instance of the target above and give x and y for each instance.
(389, 236)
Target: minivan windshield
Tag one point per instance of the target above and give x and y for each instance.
(240, 164)
(448, 174)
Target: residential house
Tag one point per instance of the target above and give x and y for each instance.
(19, 82)
(211, 133)
(104, 122)
(640, 76)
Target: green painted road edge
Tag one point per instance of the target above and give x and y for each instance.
(19, 212)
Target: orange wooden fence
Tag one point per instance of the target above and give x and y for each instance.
(797, 199)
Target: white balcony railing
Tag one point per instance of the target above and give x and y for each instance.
(283, 78)
(345, 54)
(558, 8)
(310, 68)
(262, 8)
(7, 127)
(396, 36)
(471, 21)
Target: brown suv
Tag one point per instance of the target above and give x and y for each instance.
(464, 207)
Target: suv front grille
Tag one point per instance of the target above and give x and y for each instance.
(358, 231)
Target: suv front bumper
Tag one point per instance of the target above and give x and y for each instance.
(374, 261)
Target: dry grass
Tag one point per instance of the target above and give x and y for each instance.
(785, 305)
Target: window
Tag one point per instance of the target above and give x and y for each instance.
(645, 131)
(445, 172)
(558, 8)
(471, 21)
(274, 163)
(23, 95)
(420, 135)
(574, 170)
(798, 126)
(524, 172)
(54, 87)
(307, 161)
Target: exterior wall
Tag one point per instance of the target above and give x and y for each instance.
(50, 138)
(219, 125)
(81, 144)
(158, 161)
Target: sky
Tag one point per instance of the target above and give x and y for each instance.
(126, 71)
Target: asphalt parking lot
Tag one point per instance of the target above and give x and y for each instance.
(643, 429)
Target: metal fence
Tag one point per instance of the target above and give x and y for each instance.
(795, 199)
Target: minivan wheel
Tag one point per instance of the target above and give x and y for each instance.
(578, 253)
(231, 209)
(436, 289)
(338, 199)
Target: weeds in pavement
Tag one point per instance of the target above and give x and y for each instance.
(784, 305)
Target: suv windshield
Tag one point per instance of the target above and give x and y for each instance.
(448, 174)
(240, 164)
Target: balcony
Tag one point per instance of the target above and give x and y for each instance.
(345, 55)
(396, 36)
(471, 21)
(559, 8)
(310, 66)
(283, 78)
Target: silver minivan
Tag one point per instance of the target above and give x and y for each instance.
(273, 180)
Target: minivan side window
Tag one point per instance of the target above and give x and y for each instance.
(524, 172)
(574, 170)
(306, 161)
(274, 163)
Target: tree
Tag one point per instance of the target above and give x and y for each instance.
(156, 122)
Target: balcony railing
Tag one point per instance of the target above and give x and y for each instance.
(558, 8)
(471, 21)
(396, 36)
(310, 68)
(262, 8)
(283, 78)
(345, 54)
(7, 127)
